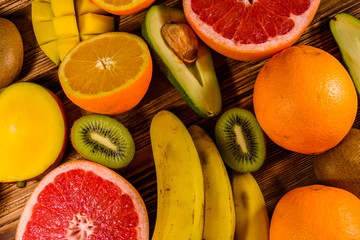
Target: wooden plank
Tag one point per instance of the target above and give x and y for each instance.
(282, 171)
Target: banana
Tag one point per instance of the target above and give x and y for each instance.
(180, 184)
(219, 223)
(252, 220)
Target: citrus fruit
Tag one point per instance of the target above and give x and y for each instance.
(84, 200)
(252, 29)
(108, 73)
(33, 131)
(305, 100)
(123, 7)
(316, 212)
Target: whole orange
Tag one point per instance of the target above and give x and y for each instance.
(305, 100)
(316, 212)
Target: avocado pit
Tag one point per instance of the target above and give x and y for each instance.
(182, 40)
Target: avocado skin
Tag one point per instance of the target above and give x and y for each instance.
(345, 29)
(11, 52)
(168, 72)
(340, 166)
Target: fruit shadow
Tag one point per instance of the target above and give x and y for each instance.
(236, 80)
(282, 171)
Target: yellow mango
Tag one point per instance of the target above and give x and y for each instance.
(87, 6)
(84, 37)
(50, 49)
(59, 24)
(62, 7)
(41, 11)
(91, 23)
(66, 44)
(44, 32)
(65, 26)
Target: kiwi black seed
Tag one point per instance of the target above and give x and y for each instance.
(104, 140)
(240, 140)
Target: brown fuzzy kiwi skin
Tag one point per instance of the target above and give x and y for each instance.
(72, 138)
(11, 47)
(340, 166)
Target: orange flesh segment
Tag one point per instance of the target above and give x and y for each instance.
(100, 66)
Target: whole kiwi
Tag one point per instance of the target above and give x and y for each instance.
(340, 166)
(11, 52)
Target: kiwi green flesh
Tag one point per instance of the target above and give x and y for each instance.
(197, 83)
(346, 31)
(240, 140)
(104, 140)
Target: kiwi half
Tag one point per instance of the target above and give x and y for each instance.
(104, 140)
(240, 140)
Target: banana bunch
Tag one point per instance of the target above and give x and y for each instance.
(252, 221)
(195, 196)
(180, 184)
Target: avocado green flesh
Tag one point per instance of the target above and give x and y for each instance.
(346, 31)
(197, 83)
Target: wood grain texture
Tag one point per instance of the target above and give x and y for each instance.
(282, 171)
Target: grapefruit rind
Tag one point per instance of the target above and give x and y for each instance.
(99, 170)
(249, 52)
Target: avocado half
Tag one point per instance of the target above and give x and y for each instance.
(346, 31)
(197, 83)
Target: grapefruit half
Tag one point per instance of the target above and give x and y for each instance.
(84, 200)
(249, 30)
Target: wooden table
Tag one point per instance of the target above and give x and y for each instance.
(282, 171)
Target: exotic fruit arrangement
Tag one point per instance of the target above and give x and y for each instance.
(186, 120)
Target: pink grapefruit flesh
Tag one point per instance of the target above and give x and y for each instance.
(84, 200)
(249, 29)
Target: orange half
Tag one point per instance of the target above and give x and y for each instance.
(107, 74)
(123, 7)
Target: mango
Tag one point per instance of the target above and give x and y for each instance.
(34, 132)
(87, 6)
(84, 37)
(91, 23)
(44, 32)
(66, 44)
(65, 26)
(58, 24)
(62, 7)
(51, 50)
(41, 11)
